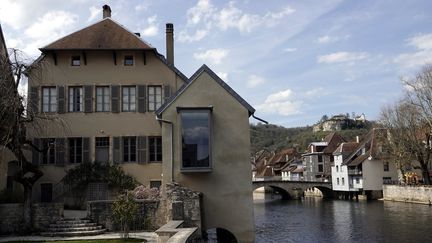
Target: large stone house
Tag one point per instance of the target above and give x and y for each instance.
(107, 86)
(366, 168)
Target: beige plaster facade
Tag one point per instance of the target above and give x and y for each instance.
(227, 187)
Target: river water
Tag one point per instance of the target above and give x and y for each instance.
(324, 220)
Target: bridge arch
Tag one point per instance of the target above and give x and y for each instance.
(325, 191)
(220, 235)
(281, 191)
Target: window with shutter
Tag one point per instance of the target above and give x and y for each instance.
(128, 98)
(34, 100)
(75, 150)
(61, 99)
(115, 98)
(142, 98)
(49, 99)
(75, 99)
(154, 97)
(155, 149)
(129, 149)
(116, 149)
(102, 99)
(88, 98)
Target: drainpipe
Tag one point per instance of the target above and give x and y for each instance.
(172, 144)
(259, 119)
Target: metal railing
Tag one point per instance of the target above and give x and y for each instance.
(354, 172)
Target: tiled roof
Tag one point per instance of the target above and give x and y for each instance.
(345, 148)
(103, 35)
(371, 146)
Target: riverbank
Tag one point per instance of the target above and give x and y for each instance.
(408, 194)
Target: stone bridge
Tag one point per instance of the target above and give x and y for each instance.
(293, 189)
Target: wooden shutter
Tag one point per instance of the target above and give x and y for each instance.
(36, 155)
(142, 149)
(86, 149)
(142, 93)
(88, 98)
(116, 150)
(61, 100)
(167, 92)
(115, 98)
(60, 147)
(34, 100)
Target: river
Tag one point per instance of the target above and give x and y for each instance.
(324, 220)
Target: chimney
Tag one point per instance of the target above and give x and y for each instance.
(106, 11)
(170, 43)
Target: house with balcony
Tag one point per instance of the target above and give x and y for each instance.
(366, 168)
(318, 159)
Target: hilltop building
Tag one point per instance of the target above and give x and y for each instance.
(340, 122)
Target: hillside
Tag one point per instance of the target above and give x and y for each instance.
(275, 137)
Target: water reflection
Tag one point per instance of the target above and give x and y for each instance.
(318, 220)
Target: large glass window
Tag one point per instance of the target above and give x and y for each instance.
(129, 149)
(102, 98)
(75, 150)
(154, 97)
(196, 129)
(129, 98)
(155, 149)
(49, 99)
(75, 99)
(102, 149)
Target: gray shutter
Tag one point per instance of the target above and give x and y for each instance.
(60, 146)
(88, 98)
(142, 149)
(167, 92)
(34, 100)
(115, 98)
(116, 150)
(86, 149)
(61, 100)
(36, 154)
(142, 93)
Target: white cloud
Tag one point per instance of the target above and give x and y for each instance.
(328, 39)
(51, 25)
(255, 81)
(423, 55)
(12, 13)
(214, 56)
(314, 92)
(290, 49)
(223, 76)
(197, 36)
(142, 6)
(152, 28)
(94, 12)
(339, 57)
(281, 103)
(203, 10)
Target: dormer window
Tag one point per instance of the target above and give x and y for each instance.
(76, 61)
(128, 60)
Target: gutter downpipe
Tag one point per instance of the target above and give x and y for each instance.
(259, 119)
(172, 144)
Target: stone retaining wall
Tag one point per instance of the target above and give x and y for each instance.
(413, 194)
(11, 216)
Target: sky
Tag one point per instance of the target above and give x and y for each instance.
(293, 61)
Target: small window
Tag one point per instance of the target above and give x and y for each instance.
(320, 159)
(154, 97)
(129, 98)
(386, 166)
(155, 149)
(49, 99)
(76, 61)
(337, 180)
(337, 168)
(102, 149)
(343, 181)
(155, 184)
(75, 150)
(320, 168)
(128, 60)
(357, 180)
(196, 145)
(129, 149)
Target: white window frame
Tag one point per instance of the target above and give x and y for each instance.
(75, 101)
(129, 99)
(154, 94)
(49, 99)
(103, 99)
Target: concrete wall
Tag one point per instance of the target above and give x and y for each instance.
(342, 173)
(100, 70)
(373, 173)
(227, 189)
(11, 216)
(414, 194)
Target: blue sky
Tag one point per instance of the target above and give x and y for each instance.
(294, 61)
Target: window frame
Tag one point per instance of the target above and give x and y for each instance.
(128, 87)
(51, 97)
(103, 96)
(48, 157)
(156, 151)
(72, 99)
(152, 97)
(75, 153)
(209, 111)
(386, 166)
(107, 146)
(74, 59)
(127, 58)
(129, 150)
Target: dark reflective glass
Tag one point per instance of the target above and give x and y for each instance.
(195, 139)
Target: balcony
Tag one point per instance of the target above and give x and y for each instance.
(354, 172)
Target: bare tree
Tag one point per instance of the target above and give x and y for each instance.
(13, 122)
